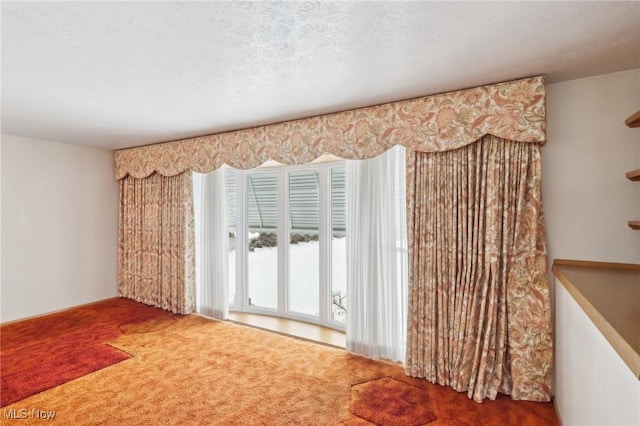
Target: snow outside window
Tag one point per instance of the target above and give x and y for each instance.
(287, 253)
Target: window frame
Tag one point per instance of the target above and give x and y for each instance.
(283, 310)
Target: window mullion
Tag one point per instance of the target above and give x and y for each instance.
(283, 241)
(241, 240)
(324, 245)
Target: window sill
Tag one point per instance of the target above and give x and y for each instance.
(287, 327)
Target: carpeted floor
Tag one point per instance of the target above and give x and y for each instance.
(197, 371)
(44, 352)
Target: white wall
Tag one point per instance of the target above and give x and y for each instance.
(593, 385)
(587, 198)
(59, 226)
(588, 201)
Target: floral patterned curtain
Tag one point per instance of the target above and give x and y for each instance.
(513, 110)
(479, 298)
(479, 307)
(156, 242)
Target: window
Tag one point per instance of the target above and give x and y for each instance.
(338, 245)
(262, 256)
(287, 241)
(304, 242)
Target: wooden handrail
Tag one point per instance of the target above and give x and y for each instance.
(633, 120)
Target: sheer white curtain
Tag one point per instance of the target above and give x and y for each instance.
(212, 244)
(377, 256)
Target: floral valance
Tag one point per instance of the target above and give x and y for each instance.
(512, 110)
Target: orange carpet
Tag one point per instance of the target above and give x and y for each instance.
(197, 371)
(44, 352)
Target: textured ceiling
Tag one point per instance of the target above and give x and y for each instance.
(125, 74)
